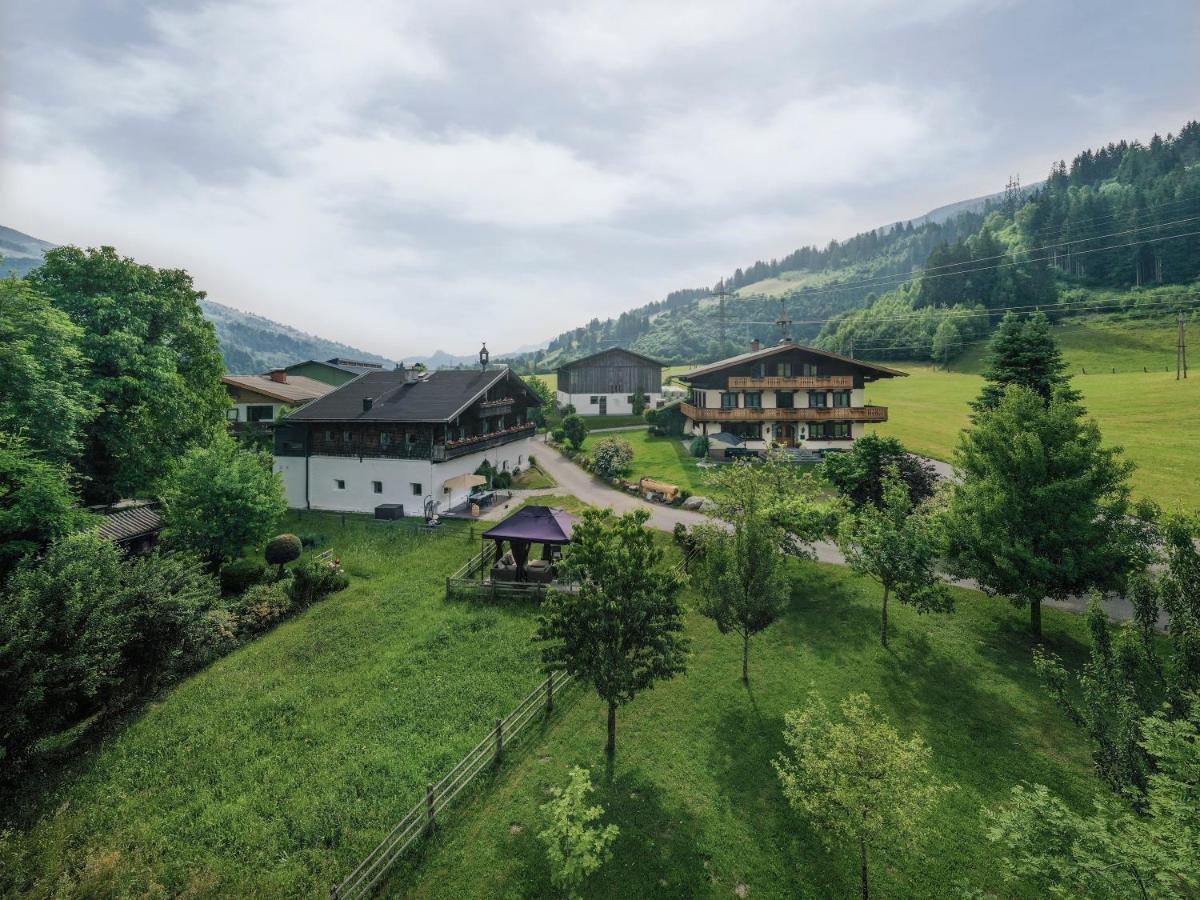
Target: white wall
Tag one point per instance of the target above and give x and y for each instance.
(396, 475)
(615, 404)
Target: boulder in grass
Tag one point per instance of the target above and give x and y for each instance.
(696, 502)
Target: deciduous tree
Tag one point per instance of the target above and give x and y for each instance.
(859, 473)
(855, 778)
(621, 630)
(575, 429)
(575, 845)
(781, 492)
(894, 544)
(745, 585)
(219, 499)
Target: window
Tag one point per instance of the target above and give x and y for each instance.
(410, 438)
(829, 431)
(264, 413)
(416, 489)
(785, 399)
(729, 401)
(808, 369)
(753, 400)
(346, 436)
(385, 439)
(841, 398)
(339, 484)
(329, 436)
(697, 397)
(629, 399)
(785, 370)
(377, 487)
(232, 414)
(818, 399)
(594, 400)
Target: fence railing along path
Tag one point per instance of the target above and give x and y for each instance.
(423, 816)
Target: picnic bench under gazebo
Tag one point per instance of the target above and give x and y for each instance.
(546, 525)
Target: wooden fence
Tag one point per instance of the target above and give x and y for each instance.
(422, 818)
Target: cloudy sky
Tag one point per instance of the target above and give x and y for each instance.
(407, 178)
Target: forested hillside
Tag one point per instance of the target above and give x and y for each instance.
(1097, 234)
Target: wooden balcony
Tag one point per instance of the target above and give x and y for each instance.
(792, 382)
(779, 414)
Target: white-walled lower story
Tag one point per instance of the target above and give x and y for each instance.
(351, 484)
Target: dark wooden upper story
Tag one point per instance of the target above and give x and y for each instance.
(613, 371)
(786, 367)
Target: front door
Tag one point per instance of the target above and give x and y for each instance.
(787, 435)
(603, 405)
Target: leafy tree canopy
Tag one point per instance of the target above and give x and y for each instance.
(859, 473)
(154, 365)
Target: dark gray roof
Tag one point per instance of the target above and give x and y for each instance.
(879, 371)
(438, 397)
(340, 365)
(134, 521)
(584, 360)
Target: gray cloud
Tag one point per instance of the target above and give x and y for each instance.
(405, 178)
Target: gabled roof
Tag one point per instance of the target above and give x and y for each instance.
(131, 521)
(437, 397)
(587, 359)
(341, 365)
(880, 371)
(297, 388)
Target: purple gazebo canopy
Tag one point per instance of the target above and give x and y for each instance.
(535, 524)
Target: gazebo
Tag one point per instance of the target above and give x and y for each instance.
(546, 525)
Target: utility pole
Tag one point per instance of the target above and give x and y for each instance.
(1181, 350)
(784, 323)
(721, 317)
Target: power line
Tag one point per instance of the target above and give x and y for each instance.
(1001, 266)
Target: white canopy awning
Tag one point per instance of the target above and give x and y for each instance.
(463, 482)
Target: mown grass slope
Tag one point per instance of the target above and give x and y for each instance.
(692, 789)
(663, 458)
(273, 771)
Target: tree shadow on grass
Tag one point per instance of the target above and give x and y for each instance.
(826, 616)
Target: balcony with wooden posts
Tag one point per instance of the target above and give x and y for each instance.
(791, 382)
(785, 414)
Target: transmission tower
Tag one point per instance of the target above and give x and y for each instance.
(784, 323)
(1012, 194)
(721, 317)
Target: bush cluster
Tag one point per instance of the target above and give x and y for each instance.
(611, 457)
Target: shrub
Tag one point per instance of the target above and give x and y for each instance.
(309, 539)
(261, 607)
(699, 448)
(532, 461)
(680, 534)
(240, 575)
(576, 430)
(502, 480)
(282, 549)
(575, 846)
(315, 579)
(558, 435)
(611, 457)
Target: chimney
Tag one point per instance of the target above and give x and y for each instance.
(279, 375)
(368, 402)
(755, 346)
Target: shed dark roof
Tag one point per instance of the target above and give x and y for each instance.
(584, 360)
(880, 371)
(120, 525)
(297, 388)
(438, 397)
(539, 524)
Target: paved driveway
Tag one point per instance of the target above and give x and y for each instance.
(590, 489)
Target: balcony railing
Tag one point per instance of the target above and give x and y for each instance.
(791, 382)
(455, 449)
(781, 414)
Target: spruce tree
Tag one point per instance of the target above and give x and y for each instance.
(1024, 352)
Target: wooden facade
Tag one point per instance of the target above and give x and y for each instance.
(614, 371)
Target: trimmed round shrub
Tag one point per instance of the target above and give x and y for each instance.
(282, 549)
(240, 575)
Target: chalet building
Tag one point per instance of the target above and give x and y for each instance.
(335, 372)
(787, 395)
(604, 383)
(257, 399)
(394, 437)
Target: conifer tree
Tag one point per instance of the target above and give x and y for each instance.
(1024, 352)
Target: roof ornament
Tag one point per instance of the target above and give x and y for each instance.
(483, 356)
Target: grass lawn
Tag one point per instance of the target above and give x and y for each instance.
(692, 790)
(663, 458)
(534, 478)
(273, 771)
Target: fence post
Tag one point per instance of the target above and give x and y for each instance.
(550, 694)
(499, 739)
(333, 891)
(429, 805)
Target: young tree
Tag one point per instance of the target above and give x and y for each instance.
(781, 492)
(1115, 851)
(621, 631)
(856, 778)
(894, 544)
(640, 401)
(947, 341)
(575, 429)
(1043, 507)
(746, 585)
(611, 457)
(219, 499)
(1023, 352)
(575, 846)
(859, 474)
(545, 397)
(155, 367)
(37, 503)
(42, 371)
